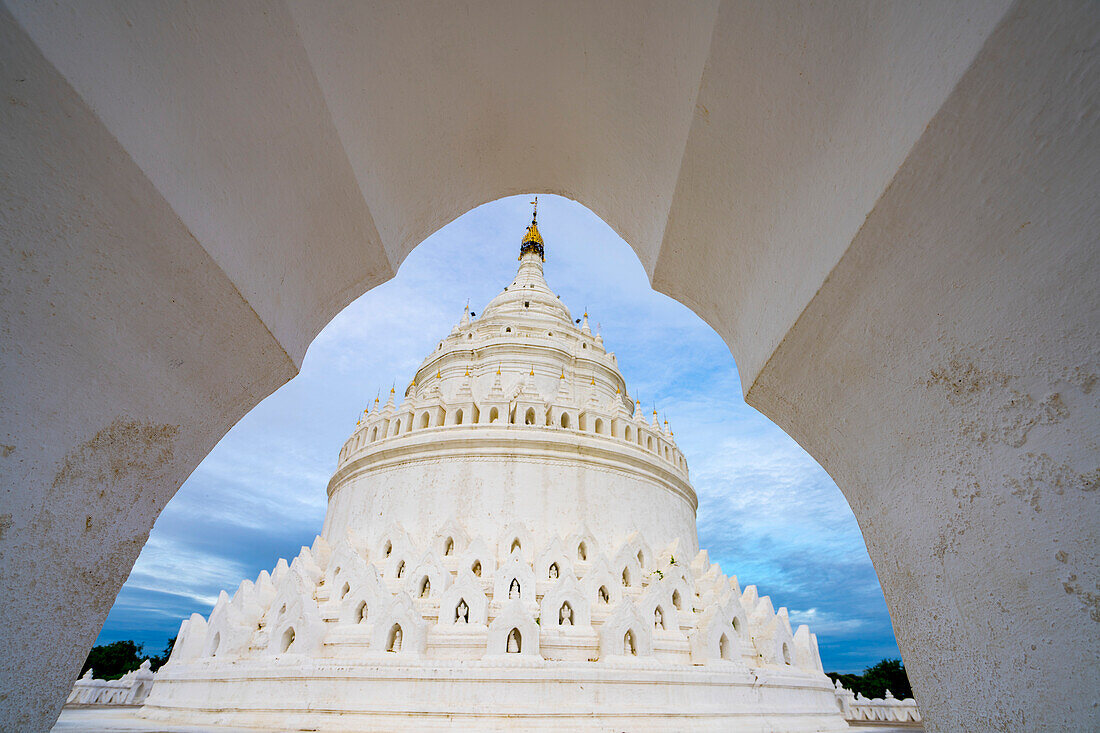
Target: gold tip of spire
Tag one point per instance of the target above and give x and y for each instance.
(563, 374)
(532, 240)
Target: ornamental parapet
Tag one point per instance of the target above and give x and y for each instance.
(631, 436)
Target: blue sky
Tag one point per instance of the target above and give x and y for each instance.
(767, 512)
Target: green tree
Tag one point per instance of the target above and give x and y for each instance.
(111, 661)
(888, 674)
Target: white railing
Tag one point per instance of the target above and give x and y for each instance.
(858, 707)
(130, 689)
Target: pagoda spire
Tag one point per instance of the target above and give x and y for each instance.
(532, 240)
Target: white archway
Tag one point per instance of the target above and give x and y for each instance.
(892, 229)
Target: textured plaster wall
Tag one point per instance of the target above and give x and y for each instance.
(115, 383)
(949, 385)
(885, 209)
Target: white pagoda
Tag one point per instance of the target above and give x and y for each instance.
(510, 547)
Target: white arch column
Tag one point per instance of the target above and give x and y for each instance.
(127, 353)
(945, 375)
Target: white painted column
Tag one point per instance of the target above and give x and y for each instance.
(126, 354)
(946, 375)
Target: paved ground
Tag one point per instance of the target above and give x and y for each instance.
(123, 719)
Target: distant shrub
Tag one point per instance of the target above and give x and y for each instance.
(889, 674)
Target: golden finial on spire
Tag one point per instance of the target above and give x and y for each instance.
(498, 368)
(532, 240)
(563, 373)
(467, 370)
(593, 380)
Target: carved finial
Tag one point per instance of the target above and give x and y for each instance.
(532, 240)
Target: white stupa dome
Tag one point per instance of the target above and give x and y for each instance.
(510, 546)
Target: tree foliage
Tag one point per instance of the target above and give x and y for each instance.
(111, 661)
(889, 674)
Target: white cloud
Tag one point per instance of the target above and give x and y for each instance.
(825, 623)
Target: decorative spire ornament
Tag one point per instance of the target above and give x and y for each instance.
(532, 240)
